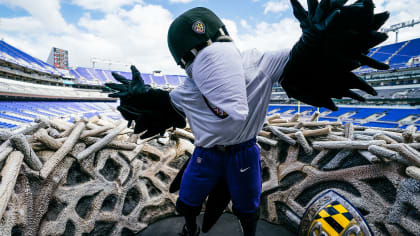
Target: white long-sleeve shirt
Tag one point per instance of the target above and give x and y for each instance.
(239, 84)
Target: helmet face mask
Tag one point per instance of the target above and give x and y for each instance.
(192, 31)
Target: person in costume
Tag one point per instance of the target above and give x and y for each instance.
(227, 93)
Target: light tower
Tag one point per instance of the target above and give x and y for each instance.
(396, 28)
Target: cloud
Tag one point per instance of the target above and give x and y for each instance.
(46, 12)
(180, 1)
(138, 34)
(401, 11)
(269, 37)
(21, 24)
(104, 5)
(276, 6)
(245, 24)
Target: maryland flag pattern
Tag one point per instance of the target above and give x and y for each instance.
(334, 219)
(332, 215)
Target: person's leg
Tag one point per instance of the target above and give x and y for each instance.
(248, 221)
(190, 214)
(200, 176)
(244, 180)
(216, 203)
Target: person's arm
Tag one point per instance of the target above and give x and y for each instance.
(336, 39)
(219, 75)
(273, 63)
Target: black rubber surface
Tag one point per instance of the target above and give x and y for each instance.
(228, 225)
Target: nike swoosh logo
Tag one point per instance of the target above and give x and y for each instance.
(243, 170)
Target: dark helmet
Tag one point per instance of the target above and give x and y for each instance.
(191, 32)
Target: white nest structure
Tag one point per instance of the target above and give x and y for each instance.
(95, 176)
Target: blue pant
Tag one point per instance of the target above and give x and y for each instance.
(240, 167)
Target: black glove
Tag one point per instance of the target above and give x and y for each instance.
(129, 90)
(150, 108)
(335, 40)
(154, 121)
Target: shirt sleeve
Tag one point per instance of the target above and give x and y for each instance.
(273, 63)
(219, 75)
(177, 96)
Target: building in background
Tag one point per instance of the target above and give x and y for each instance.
(59, 58)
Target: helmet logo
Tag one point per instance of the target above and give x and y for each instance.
(199, 27)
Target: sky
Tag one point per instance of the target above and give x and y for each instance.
(135, 31)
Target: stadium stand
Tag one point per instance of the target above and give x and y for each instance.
(327, 119)
(342, 111)
(364, 113)
(4, 125)
(39, 90)
(409, 50)
(16, 114)
(146, 78)
(159, 81)
(282, 109)
(13, 55)
(127, 75)
(84, 73)
(383, 93)
(384, 117)
(398, 114)
(100, 77)
(398, 55)
(173, 80)
(398, 86)
(181, 79)
(386, 52)
(380, 125)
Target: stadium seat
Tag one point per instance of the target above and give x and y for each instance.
(380, 125)
(95, 76)
(387, 51)
(16, 56)
(327, 119)
(398, 114)
(364, 113)
(74, 73)
(412, 49)
(341, 111)
(159, 81)
(173, 80)
(14, 118)
(32, 109)
(84, 73)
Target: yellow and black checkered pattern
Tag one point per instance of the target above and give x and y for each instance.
(335, 218)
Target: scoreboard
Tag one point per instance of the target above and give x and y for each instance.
(59, 58)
